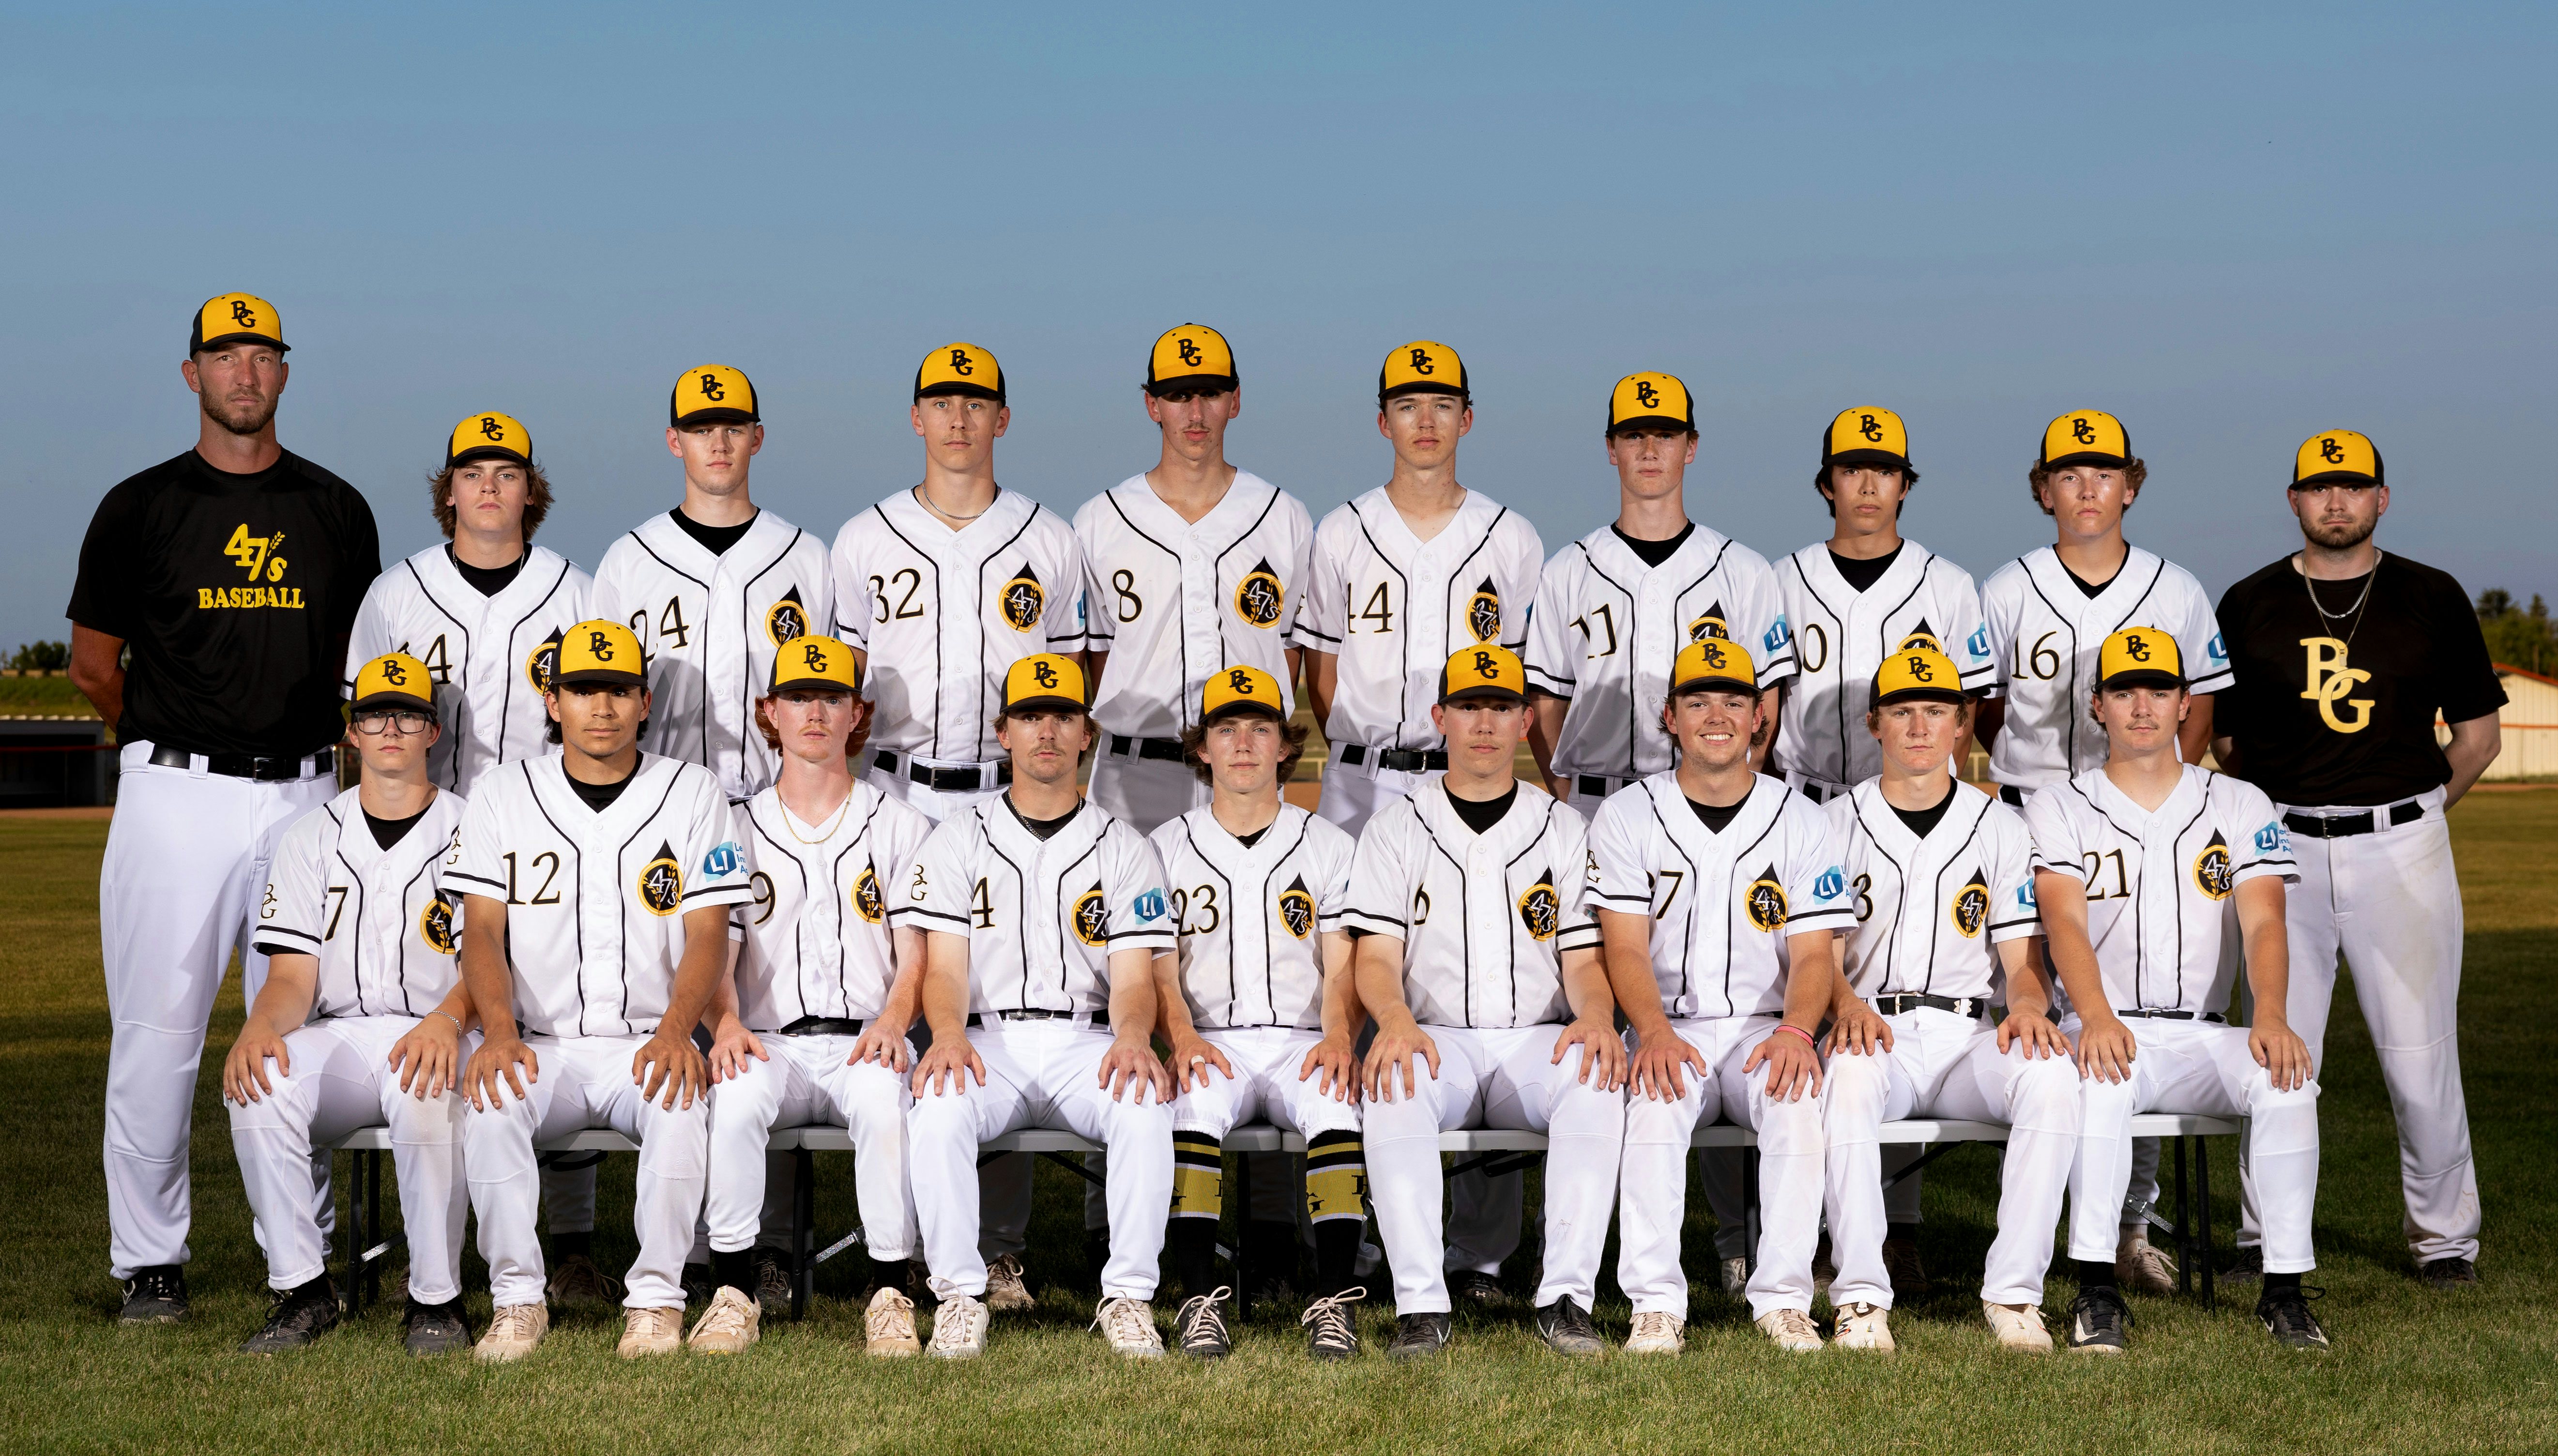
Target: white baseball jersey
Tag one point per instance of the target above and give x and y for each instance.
(381, 922)
(944, 614)
(2045, 633)
(1251, 917)
(1722, 903)
(1928, 911)
(1395, 608)
(1842, 635)
(1484, 918)
(1042, 916)
(710, 626)
(2157, 883)
(1608, 629)
(816, 930)
(1173, 602)
(491, 656)
(596, 902)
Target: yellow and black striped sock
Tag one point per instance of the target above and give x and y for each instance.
(1199, 1169)
(1336, 1202)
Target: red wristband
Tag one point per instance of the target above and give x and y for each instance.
(1798, 1031)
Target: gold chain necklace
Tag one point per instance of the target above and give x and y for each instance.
(791, 821)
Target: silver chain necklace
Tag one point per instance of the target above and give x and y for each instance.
(2359, 602)
(925, 496)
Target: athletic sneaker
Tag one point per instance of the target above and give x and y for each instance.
(2018, 1327)
(2286, 1315)
(888, 1324)
(2247, 1264)
(960, 1328)
(2143, 1267)
(1657, 1332)
(576, 1283)
(1566, 1329)
(1791, 1329)
(1863, 1326)
(433, 1329)
(513, 1330)
(2447, 1273)
(295, 1318)
(651, 1332)
(1007, 1292)
(1476, 1288)
(1736, 1277)
(154, 1296)
(1200, 1327)
(772, 1282)
(733, 1322)
(1418, 1336)
(2099, 1319)
(1330, 1332)
(1908, 1277)
(1129, 1325)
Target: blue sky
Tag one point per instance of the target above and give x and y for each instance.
(2231, 226)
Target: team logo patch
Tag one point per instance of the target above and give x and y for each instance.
(1972, 906)
(661, 881)
(542, 663)
(1920, 636)
(1710, 625)
(2274, 839)
(1092, 918)
(868, 902)
(2213, 874)
(1764, 899)
(1540, 908)
(1259, 596)
(785, 619)
(1022, 599)
(435, 925)
(1483, 612)
(1297, 908)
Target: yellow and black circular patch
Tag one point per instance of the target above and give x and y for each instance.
(1541, 910)
(2212, 873)
(1921, 639)
(1023, 600)
(868, 903)
(1258, 599)
(1483, 613)
(1708, 625)
(435, 925)
(1297, 910)
(661, 884)
(1971, 909)
(1764, 899)
(542, 663)
(785, 619)
(1092, 919)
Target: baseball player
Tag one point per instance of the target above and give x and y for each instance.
(1479, 958)
(1941, 880)
(2047, 613)
(596, 885)
(1042, 915)
(232, 571)
(484, 609)
(1256, 1005)
(361, 1021)
(1717, 893)
(812, 1029)
(2345, 655)
(2133, 864)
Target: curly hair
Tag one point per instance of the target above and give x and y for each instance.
(2135, 473)
(1195, 738)
(537, 499)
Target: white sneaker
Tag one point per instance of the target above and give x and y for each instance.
(1791, 1329)
(1736, 1277)
(513, 1330)
(2018, 1327)
(888, 1326)
(960, 1328)
(2142, 1267)
(1006, 1291)
(1129, 1325)
(650, 1332)
(731, 1324)
(1657, 1332)
(1863, 1326)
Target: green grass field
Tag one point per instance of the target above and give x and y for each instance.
(2412, 1371)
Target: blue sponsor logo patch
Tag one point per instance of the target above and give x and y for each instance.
(1832, 884)
(2024, 896)
(2216, 651)
(726, 858)
(2273, 839)
(1150, 906)
(1778, 634)
(1979, 643)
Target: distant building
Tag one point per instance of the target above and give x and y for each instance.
(2529, 720)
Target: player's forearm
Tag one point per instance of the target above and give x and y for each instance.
(98, 672)
(1322, 668)
(905, 999)
(699, 976)
(284, 1002)
(1133, 1002)
(484, 973)
(456, 1004)
(2194, 735)
(1584, 986)
(1631, 982)
(1172, 1008)
(1808, 981)
(1342, 1011)
(2065, 945)
(946, 987)
(2028, 990)
(1545, 725)
(2474, 744)
(1377, 968)
(2268, 952)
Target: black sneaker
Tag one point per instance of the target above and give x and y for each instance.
(295, 1318)
(434, 1329)
(1476, 1288)
(772, 1283)
(2098, 1320)
(1330, 1332)
(2442, 1274)
(1199, 1328)
(1566, 1329)
(2286, 1315)
(2248, 1263)
(1418, 1337)
(698, 1286)
(154, 1296)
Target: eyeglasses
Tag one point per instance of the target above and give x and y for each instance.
(404, 721)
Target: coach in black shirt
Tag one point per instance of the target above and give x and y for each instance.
(232, 573)
(2343, 656)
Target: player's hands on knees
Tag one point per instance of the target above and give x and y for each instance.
(244, 1070)
(2033, 1031)
(2281, 1051)
(732, 1045)
(1656, 1067)
(1793, 1068)
(428, 1059)
(673, 1063)
(879, 1044)
(1602, 1052)
(948, 1065)
(1191, 1056)
(2105, 1047)
(1398, 1048)
(1337, 1059)
(1131, 1066)
(1859, 1030)
(504, 1064)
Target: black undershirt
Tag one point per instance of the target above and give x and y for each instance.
(1047, 828)
(2092, 589)
(1653, 553)
(1480, 815)
(715, 540)
(488, 581)
(387, 832)
(1922, 821)
(1862, 575)
(1248, 840)
(600, 796)
(1716, 816)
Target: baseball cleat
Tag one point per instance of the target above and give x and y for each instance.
(772, 1283)
(513, 1330)
(1908, 1277)
(1418, 1337)
(960, 1328)
(156, 1295)
(888, 1326)
(1200, 1327)
(1476, 1288)
(1736, 1277)
(1007, 1292)
(648, 1332)
(2247, 1264)
(578, 1285)
(1129, 1325)
(2018, 1326)
(1566, 1329)
(2143, 1267)
(1863, 1326)
(1330, 1332)
(2447, 1273)
(1790, 1329)
(295, 1318)
(2286, 1315)
(733, 1322)
(1657, 1332)
(2099, 1319)
(434, 1329)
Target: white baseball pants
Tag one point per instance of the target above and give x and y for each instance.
(2202, 1068)
(807, 1082)
(185, 872)
(342, 1080)
(1353, 795)
(1942, 1065)
(1654, 1202)
(1265, 1085)
(1040, 1074)
(583, 1082)
(1493, 1077)
(1147, 792)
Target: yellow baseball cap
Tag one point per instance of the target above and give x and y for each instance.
(1868, 435)
(2139, 657)
(1714, 663)
(1191, 360)
(816, 662)
(1489, 670)
(960, 368)
(1044, 681)
(2085, 437)
(712, 394)
(1422, 367)
(1241, 690)
(393, 680)
(1917, 672)
(232, 318)
(600, 655)
(489, 436)
(1650, 401)
(2336, 455)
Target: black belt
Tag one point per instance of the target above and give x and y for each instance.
(1033, 1013)
(248, 766)
(1395, 760)
(2341, 827)
(823, 1026)
(1965, 1006)
(2011, 795)
(946, 781)
(1817, 794)
(1167, 750)
(2214, 1017)
(1593, 786)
